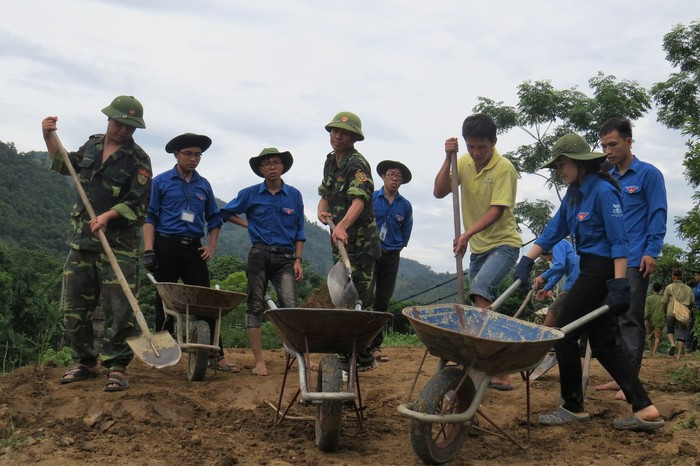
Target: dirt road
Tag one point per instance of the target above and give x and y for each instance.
(164, 419)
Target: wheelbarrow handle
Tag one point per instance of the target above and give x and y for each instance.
(506, 294)
(581, 321)
(341, 247)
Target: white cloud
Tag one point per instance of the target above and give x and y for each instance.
(272, 73)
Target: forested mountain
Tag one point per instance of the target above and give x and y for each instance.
(35, 202)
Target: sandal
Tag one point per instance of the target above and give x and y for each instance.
(228, 367)
(379, 357)
(116, 380)
(637, 424)
(79, 373)
(562, 416)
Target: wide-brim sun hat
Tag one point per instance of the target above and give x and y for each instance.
(126, 109)
(188, 140)
(574, 147)
(385, 165)
(287, 160)
(347, 121)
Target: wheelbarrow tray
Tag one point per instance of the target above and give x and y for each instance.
(477, 338)
(327, 330)
(198, 300)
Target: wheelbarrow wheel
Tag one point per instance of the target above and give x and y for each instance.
(199, 358)
(439, 443)
(329, 412)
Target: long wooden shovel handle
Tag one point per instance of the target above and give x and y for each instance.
(341, 248)
(103, 239)
(457, 221)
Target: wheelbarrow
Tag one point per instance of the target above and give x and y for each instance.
(331, 331)
(483, 344)
(193, 335)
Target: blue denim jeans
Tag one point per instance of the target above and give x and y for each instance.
(487, 270)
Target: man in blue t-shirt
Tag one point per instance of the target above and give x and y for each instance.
(394, 216)
(644, 209)
(181, 211)
(274, 214)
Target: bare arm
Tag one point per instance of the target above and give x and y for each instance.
(322, 212)
(620, 264)
(149, 234)
(210, 248)
(48, 125)
(298, 268)
(443, 183)
(235, 219)
(489, 218)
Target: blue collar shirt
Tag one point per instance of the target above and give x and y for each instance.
(394, 220)
(592, 215)
(171, 195)
(273, 220)
(645, 209)
(564, 262)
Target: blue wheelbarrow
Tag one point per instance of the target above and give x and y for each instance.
(481, 344)
(331, 331)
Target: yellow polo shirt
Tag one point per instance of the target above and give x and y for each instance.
(496, 184)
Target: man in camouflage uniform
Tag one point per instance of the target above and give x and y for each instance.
(116, 175)
(346, 198)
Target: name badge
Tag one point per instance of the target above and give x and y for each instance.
(187, 216)
(382, 232)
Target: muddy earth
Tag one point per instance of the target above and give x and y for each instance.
(227, 419)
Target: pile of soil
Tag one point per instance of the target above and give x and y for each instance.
(226, 419)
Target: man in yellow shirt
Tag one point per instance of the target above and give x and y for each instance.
(489, 183)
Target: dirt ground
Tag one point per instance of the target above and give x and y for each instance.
(164, 419)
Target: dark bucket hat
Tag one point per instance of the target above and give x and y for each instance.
(287, 160)
(188, 140)
(574, 147)
(385, 165)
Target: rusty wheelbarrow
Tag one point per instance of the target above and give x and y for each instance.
(483, 344)
(333, 331)
(187, 304)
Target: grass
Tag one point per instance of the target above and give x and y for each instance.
(687, 378)
(11, 438)
(401, 340)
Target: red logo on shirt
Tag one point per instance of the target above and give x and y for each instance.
(201, 197)
(582, 216)
(631, 189)
(288, 211)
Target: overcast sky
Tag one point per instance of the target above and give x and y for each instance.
(273, 73)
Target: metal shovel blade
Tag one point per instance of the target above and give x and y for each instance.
(156, 349)
(549, 361)
(341, 288)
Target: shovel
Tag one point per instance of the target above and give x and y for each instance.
(157, 350)
(340, 286)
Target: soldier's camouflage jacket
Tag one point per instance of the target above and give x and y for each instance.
(122, 183)
(343, 183)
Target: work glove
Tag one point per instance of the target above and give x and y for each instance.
(150, 261)
(522, 272)
(618, 297)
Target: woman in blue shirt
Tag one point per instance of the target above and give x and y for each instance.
(591, 212)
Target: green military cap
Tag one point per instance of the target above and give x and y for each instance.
(347, 121)
(385, 165)
(188, 140)
(574, 147)
(127, 110)
(287, 159)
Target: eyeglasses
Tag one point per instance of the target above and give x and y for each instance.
(270, 163)
(189, 154)
(396, 176)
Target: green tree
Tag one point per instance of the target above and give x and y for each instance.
(545, 113)
(678, 99)
(533, 215)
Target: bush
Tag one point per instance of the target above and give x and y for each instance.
(687, 378)
(238, 338)
(401, 340)
(51, 357)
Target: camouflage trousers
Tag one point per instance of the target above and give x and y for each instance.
(362, 273)
(87, 278)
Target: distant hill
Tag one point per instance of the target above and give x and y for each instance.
(35, 202)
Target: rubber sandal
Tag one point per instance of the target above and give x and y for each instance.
(229, 367)
(116, 381)
(380, 357)
(562, 416)
(637, 424)
(79, 373)
(502, 388)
